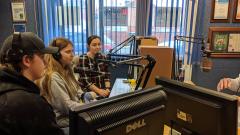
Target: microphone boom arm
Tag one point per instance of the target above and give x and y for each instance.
(133, 58)
(121, 45)
(150, 66)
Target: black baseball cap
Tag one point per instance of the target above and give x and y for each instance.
(27, 42)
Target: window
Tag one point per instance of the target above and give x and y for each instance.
(113, 20)
(116, 20)
(74, 23)
(167, 17)
(65, 18)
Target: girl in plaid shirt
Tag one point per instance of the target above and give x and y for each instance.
(95, 75)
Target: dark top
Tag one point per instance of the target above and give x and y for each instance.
(94, 71)
(22, 110)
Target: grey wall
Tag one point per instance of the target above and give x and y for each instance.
(221, 67)
(6, 24)
(5, 19)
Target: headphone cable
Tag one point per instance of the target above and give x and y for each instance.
(237, 89)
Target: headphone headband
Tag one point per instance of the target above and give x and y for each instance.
(14, 53)
(16, 39)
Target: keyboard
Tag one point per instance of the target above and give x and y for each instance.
(120, 87)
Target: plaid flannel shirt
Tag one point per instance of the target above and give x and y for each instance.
(87, 78)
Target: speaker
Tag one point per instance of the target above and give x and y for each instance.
(14, 53)
(57, 56)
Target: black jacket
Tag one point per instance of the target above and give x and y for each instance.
(22, 110)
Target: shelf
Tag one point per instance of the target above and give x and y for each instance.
(224, 55)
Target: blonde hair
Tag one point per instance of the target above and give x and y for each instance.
(55, 66)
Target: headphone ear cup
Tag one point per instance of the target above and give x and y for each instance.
(13, 55)
(57, 56)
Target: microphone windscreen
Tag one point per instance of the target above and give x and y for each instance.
(77, 70)
(206, 64)
(98, 55)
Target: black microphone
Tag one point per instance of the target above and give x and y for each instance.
(100, 58)
(206, 64)
(97, 57)
(80, 70)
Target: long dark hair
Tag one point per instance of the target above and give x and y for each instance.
(90, 39)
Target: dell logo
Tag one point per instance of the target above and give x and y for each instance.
(135, 125)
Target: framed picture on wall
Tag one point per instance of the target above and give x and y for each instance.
(236, 11)
(224, 41)
(19, 27)
(220, 11)
(18, 12)
(220, 42)
(233, 43)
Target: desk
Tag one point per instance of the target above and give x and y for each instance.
(167, 129)
(120, 87)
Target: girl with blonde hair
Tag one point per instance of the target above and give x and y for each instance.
(59, 85)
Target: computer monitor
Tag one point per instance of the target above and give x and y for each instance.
(193, 110)
(136, 113)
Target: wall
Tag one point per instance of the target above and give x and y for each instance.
(5, 20)
(221, 67)
(6, 24)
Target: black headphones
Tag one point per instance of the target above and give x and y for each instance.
(57, 56)
(15, 53)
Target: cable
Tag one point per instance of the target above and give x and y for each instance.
(237, 89)
(171, 126)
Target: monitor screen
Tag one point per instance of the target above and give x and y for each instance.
(136, 113)
(193, 110)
